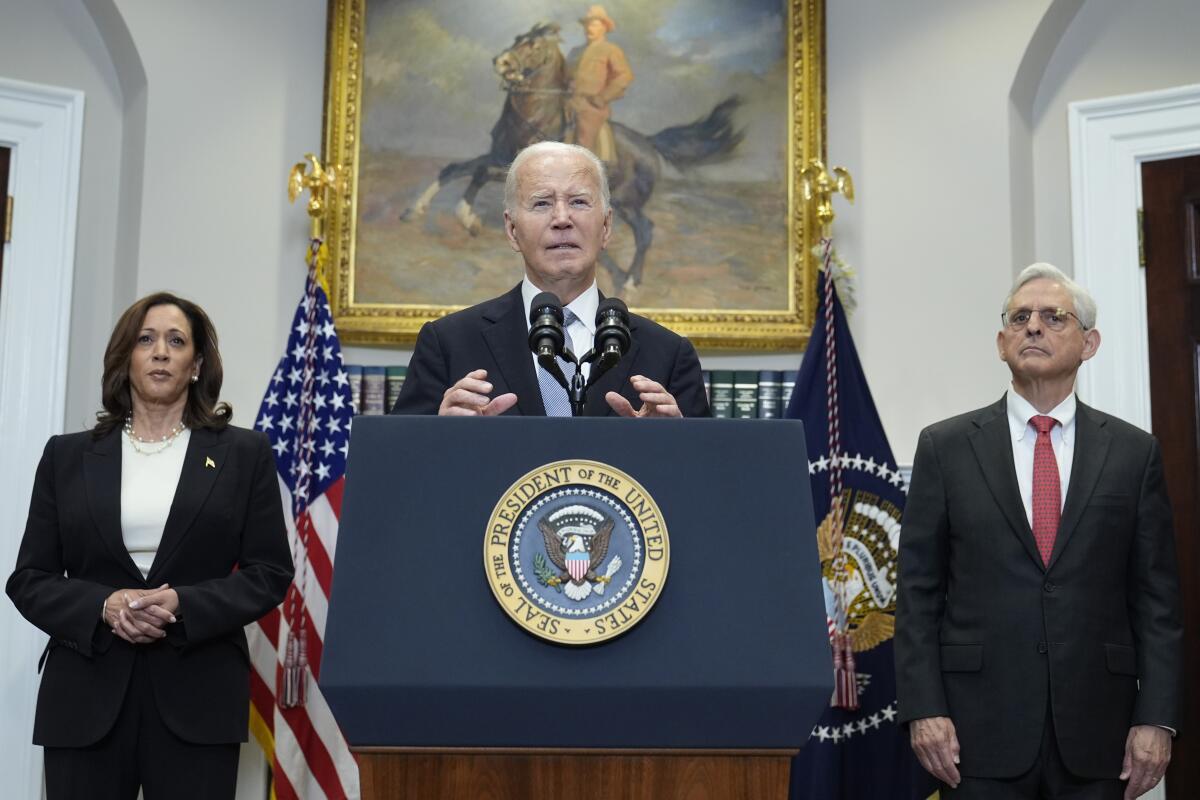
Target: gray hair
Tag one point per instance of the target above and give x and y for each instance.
(1085, 306)
(547, 148)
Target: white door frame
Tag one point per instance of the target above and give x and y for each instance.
(44, 127)
(1109, 140)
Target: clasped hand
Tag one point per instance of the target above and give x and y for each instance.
(140, 616)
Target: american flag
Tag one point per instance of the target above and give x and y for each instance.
(306, 413)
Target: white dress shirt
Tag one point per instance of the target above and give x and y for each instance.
(1024, 437)
(581, 333)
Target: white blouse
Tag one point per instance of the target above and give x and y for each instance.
(148, 484)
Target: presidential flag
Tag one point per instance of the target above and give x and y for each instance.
(306, 412)
(856, 751)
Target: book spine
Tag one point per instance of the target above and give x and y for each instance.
(745, 394)
(722, 394)
(374, 387)
(395, 380)
(785, 390)
(354, 373)
(770, 394)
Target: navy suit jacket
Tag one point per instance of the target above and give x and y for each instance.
(494, 336)
(990, 637)
(226, 513)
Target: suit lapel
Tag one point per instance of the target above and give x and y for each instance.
(1091, 448)
(507, 337)
(102, 477)
(992, 443)
(203, 462)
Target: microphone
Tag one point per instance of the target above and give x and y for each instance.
(612, 330)
(546, 337)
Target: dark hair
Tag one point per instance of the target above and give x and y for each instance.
(202, 409)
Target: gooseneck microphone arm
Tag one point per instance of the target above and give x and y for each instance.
(548, 341)
(612, 337)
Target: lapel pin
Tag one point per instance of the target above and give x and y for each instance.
(208, 462)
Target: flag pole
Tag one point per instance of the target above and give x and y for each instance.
(819, 186)
(319, 182)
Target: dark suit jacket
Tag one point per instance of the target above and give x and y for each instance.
(72, 557)
(494, 336)
(990, 638)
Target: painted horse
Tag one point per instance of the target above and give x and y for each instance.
(534, 75)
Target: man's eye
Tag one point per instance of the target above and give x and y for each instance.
(1021, 317)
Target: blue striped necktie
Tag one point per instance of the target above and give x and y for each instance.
(554, 396)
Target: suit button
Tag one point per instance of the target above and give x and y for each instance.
(1049, 587)
(1042, 648)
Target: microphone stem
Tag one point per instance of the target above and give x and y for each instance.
(577, 392)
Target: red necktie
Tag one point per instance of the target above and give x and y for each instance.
(1047, 490)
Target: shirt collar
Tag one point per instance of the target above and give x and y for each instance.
(1020, 410)
(584, 306)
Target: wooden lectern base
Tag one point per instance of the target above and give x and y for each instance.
(529, 774)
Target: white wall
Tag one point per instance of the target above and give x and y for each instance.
(1111, 48)
(234, 99)
(917, 110)
(54, 42)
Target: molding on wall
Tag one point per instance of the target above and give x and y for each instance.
(44, 127)
(1109, 139)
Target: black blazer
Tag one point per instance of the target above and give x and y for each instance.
(494, 336)
(226, 513)
(990, 638)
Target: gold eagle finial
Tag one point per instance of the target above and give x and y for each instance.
(319, 182)
(820, 186)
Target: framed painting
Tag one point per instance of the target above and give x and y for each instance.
(721, 107)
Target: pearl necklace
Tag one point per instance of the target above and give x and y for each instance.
(162, 444)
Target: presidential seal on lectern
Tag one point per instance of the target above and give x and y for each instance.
(576, 552)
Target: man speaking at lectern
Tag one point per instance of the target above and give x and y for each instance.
(478, 361)
(1038, 624)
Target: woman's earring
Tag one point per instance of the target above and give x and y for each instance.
(195, 378)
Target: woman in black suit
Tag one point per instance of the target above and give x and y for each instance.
(152, 540)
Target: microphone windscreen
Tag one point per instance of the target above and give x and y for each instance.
(543, 302)
(612, 306)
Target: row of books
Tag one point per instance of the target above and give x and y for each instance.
(732, 394)
(749, 394)
(375, 389)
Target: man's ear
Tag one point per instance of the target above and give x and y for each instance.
(510, 230)
(607, 229)
(1091, 343)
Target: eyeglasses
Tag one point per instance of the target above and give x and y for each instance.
(1054, 319)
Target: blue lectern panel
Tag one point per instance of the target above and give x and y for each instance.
(734, 654)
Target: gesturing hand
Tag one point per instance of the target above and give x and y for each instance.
(469, 397)
(656, 401)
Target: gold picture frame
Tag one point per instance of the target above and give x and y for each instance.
(362, 317)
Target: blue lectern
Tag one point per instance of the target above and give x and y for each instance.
(442, 693)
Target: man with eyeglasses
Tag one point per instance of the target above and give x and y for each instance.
(1038, 623)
